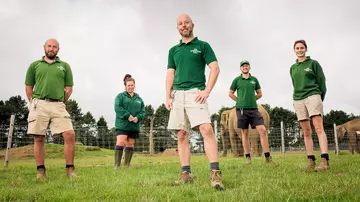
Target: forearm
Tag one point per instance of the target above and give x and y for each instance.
(67, 95)
(233, 97)
(122, 113)
(214, 73)
(68, 92)
(258, 96)
(29, 92)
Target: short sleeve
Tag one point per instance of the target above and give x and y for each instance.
(233, 86)
(171, 62)
(68, 76)
(208, 54)
(30, 75)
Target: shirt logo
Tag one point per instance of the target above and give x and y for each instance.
(61, 68)
(253, 82)
(308, 69)
(195, 51)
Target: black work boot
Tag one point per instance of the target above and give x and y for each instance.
(128, 155)
(118, 156)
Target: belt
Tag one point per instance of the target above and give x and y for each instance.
(49, 100)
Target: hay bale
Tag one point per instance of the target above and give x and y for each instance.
(92, 148)
(170, 152)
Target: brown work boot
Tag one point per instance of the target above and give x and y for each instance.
(324, 165)
(41, 174)
(310, 165)
(216, 180)
(248, 160)
(269, 161)
(185, 177)
(70, 172)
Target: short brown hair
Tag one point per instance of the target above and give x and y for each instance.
(300, 41)
(127, 78)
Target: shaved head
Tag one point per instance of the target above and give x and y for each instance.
(183, 17)
(52, 41)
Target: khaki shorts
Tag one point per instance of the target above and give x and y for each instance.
(308, 107)
(186, 112)
(42, 113)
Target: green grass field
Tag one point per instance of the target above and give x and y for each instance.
(149, 179)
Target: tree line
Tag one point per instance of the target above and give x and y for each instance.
(90, 131)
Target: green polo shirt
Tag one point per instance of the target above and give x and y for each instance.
(245, 88)
(49, 80)
(308, 79)
(189, 61)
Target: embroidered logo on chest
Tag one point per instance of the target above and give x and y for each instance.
(61, 68)
(195, 51)
(308, 70)
(253, 82)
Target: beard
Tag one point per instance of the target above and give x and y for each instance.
(50, 55)
(187, 35)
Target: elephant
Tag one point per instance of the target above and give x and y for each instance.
(235, 141)
(229, 124)
(351, 130)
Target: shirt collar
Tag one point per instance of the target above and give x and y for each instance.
(192, 41)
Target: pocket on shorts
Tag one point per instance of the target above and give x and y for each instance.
(32, 113)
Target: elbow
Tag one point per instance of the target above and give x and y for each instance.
(217, 70)
(68, 91)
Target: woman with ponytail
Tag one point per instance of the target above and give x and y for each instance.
(130, 110)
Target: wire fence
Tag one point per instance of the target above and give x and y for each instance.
(280, 140)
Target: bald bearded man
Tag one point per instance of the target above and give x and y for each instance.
(186, 98)
(48, 85)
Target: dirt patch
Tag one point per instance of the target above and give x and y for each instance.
(169, 152)
(19, 153)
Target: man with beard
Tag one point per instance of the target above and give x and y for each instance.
(186, 95)
(246, 109)
(48, 86)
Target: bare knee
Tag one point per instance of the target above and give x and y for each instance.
(182, 136)
(69, 137)
(121, 140)
(262, 131)
(319, 130)
(205, 129)
(40, 139)
(130, 143)
(307, 133)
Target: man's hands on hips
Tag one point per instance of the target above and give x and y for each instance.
(203, 95)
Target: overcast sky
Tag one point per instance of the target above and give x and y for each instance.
(104, 40)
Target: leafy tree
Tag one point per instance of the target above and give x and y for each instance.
(335, 116)
(5, 113)
(103, 133)
(161, 117)
(162, 137)
(149, 113)
(267, 107)
(278, 114)
(75, 112)
(15, 105)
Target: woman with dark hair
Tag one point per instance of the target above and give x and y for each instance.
(130, 110)
(309, 92)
